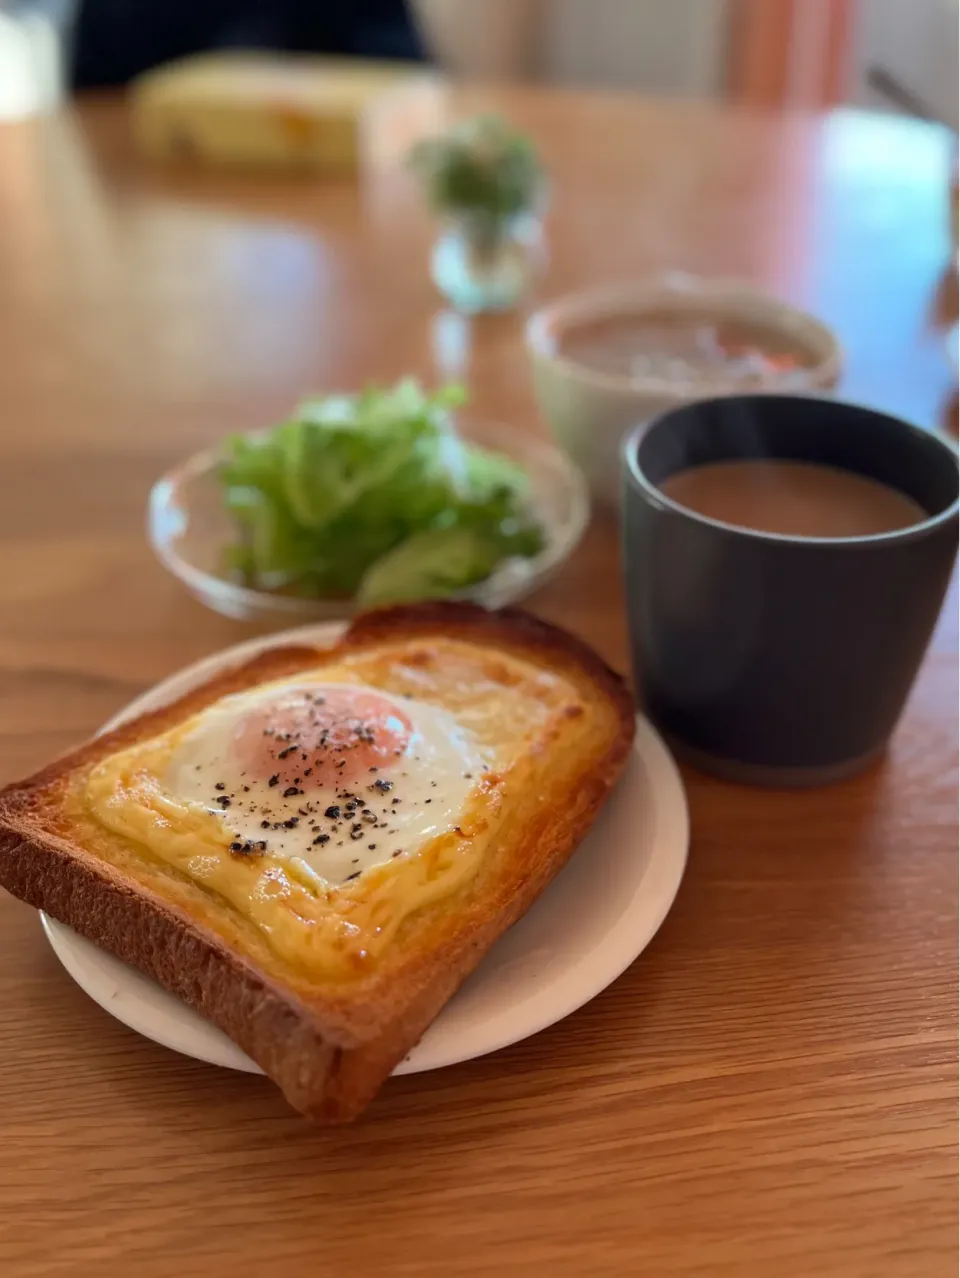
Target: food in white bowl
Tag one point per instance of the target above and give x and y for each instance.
(608, 359)
(362, 500)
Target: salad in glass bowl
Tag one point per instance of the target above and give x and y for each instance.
(364, 500)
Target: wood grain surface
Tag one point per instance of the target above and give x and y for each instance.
(770, 1091)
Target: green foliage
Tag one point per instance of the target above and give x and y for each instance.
(480, 168)
(373, 494)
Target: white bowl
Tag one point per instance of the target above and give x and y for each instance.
(590, 411)
(189, 527)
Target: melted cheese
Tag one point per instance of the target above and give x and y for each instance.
(506, 704)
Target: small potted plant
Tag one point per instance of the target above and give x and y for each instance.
(487, 184)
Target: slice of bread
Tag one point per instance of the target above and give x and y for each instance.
(558, 724)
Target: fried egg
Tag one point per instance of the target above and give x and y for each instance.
(341, 776)
(327, 806)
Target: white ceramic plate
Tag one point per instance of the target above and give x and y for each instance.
(591, 923)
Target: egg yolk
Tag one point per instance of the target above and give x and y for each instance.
(331, 737)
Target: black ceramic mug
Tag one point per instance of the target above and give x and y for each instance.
(771, 658)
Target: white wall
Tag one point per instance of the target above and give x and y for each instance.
(662, 46)
(916, 40)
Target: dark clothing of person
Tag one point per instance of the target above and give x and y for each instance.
(115, 40)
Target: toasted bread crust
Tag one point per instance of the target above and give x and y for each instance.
(330, 1052)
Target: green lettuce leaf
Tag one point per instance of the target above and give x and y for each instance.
(355, 488)
(429, 565)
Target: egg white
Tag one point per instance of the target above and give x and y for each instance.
(429, 785)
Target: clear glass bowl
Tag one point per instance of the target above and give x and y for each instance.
(188, 528)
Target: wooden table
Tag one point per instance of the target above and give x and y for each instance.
(770, 1091)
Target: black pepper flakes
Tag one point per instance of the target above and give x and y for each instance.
(274, 780)
(332, 812)
(220, 786)
(321, 839)
(356, 834)
(291, 790)
(248, 848)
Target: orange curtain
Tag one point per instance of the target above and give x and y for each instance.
(790, 53)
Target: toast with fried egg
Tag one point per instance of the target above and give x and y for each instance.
(314, 850)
